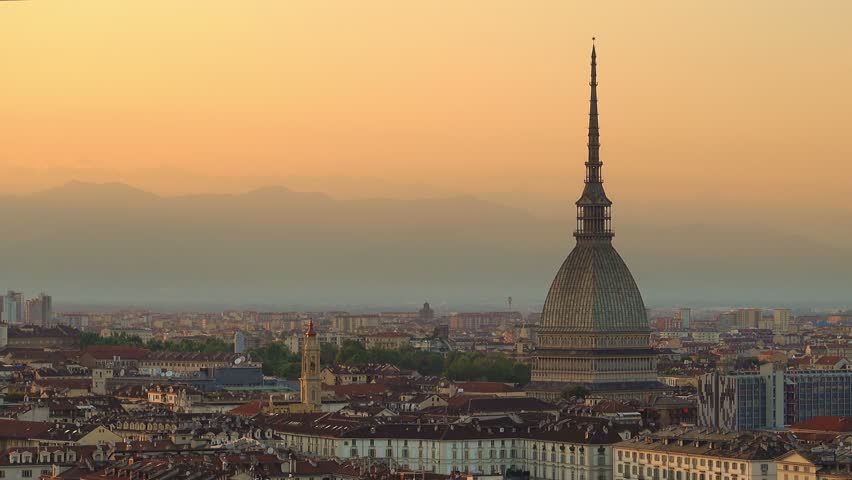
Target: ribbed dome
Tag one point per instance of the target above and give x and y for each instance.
(594, 292)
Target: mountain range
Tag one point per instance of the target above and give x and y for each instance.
(112, 243)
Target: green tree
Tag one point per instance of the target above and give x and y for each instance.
(328, 352)
(278, 360)
(575, 391)
(352, 353)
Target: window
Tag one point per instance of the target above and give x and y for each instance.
(27, 473)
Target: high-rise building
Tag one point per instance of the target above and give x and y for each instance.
(749, 317)
(594, 329)
(39, 310)
(781, 320)
(727, 321)
(13, 307)
(772, 397)
(239, 342)
(685, 318)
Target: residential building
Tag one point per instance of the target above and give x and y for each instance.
(346, 323)
(692, 454)
(781, 321)
(387, 340)
(749, 317)
(578, 448)
(39, 310)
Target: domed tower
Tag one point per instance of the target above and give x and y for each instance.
(594, 330)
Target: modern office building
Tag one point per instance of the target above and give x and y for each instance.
(772, 398)
(13, 307)
(239, 342)
(685, 318)
(594, 330)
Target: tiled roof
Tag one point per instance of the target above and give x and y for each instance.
(357, 389)
(62, 383)
(471, 405)
(825, 424)
(108, 352)
(249, 409)
(486, 387)
(36, 331)
(193, 356)
(22, 430)
(741, 445)
(828, 360)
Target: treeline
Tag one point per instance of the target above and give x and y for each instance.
(279, 361)
(205, 345)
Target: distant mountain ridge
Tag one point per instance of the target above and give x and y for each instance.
(277, 246)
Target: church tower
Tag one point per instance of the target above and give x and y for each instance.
(309, 382)
(594, 331)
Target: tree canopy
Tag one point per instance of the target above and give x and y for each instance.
(279, 361)
(205, 345)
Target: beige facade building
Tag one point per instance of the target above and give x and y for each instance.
(387, 340)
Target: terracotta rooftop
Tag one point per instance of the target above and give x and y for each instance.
(825, 424)
(108, 352)
(486, 387)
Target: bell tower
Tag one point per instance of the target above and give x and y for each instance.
(309, 382)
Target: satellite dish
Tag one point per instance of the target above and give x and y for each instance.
(270, 450)
(170, 373)
(238, 360)
(121, 373)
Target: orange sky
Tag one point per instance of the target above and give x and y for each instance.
(747, 100)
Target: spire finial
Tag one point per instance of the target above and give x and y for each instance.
(593, 208)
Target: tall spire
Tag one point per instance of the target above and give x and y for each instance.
(593, 207)
(594, 132)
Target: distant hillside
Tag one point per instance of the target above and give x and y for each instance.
(111, 242)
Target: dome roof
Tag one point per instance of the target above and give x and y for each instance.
(594, 292)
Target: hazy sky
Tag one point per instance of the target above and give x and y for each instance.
(700, 101)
